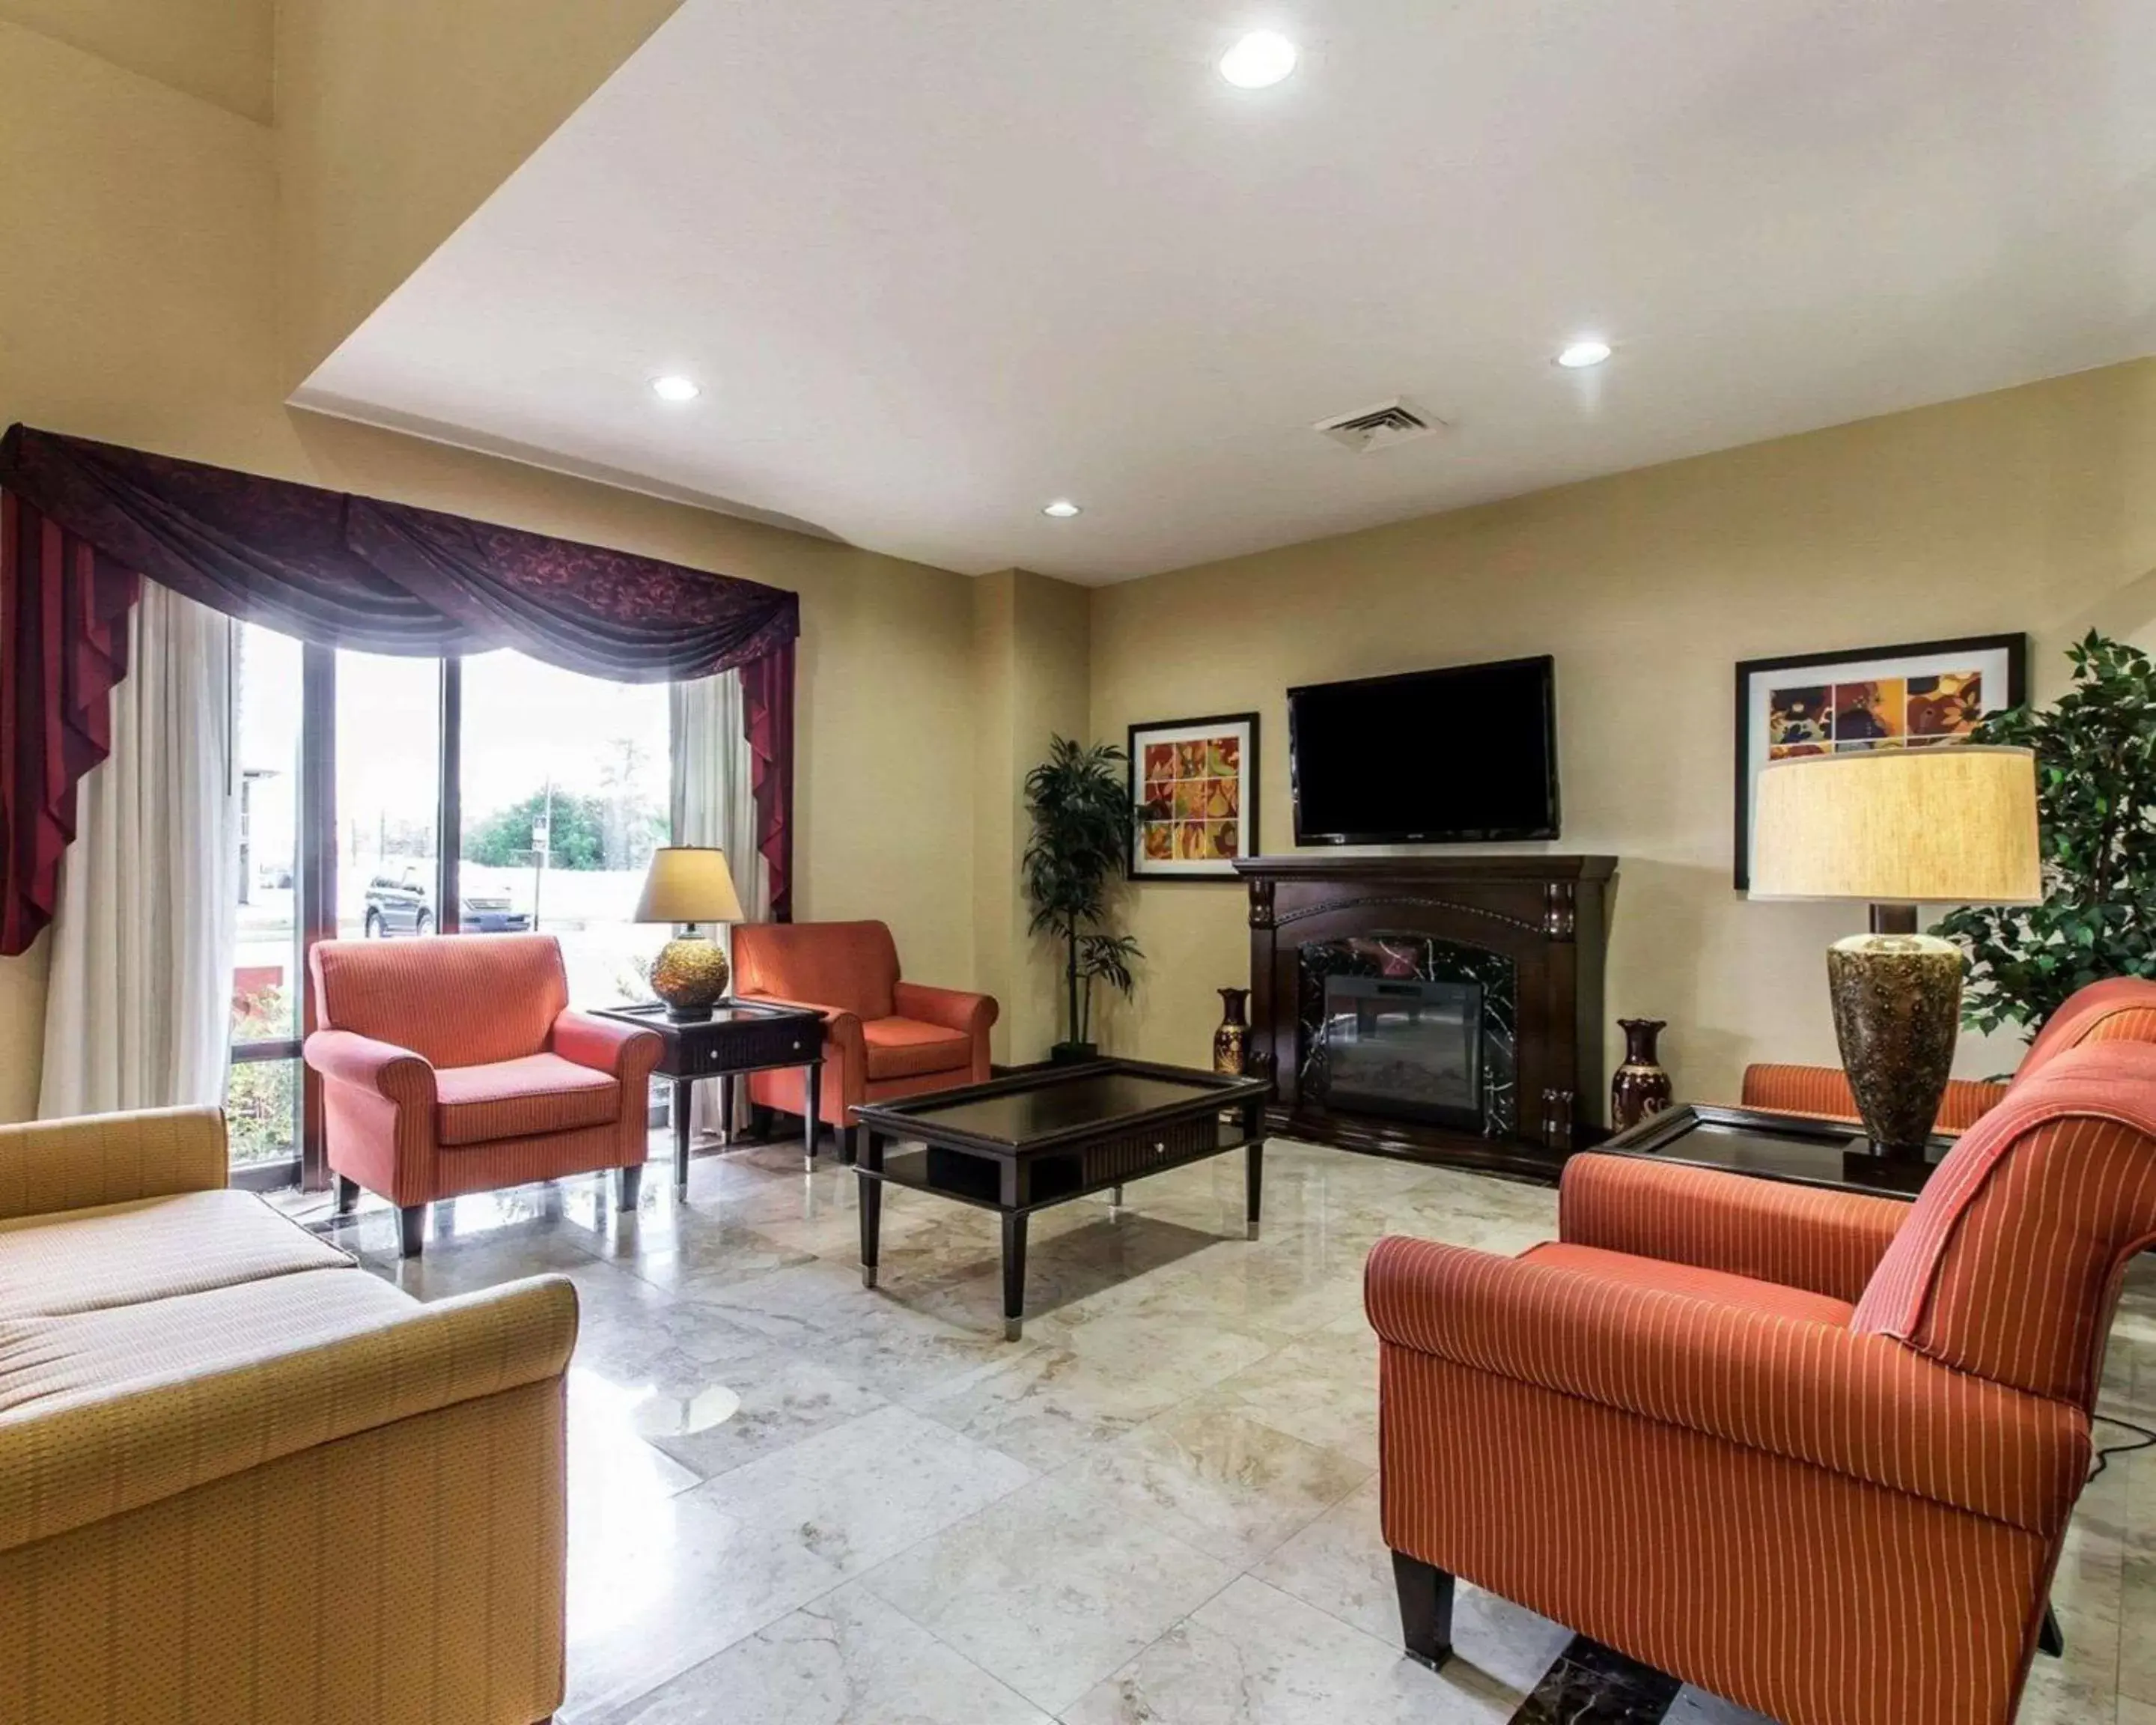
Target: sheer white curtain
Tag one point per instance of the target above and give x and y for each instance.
(138, 1011)
(714, 803)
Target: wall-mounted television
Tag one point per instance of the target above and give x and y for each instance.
(1463, 755)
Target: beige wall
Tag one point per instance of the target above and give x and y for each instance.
(2034, 509)
(218, 50)
(398, 119)
(140, 309)
(1031, 639)
(144, 307)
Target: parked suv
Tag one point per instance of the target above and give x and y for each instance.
(405, 905)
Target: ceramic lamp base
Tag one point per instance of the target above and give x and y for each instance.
(1897, 1012)
(690, 975)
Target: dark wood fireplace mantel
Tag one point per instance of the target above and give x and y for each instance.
(1545, 918)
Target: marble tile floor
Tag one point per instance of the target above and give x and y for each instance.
(796, 1499)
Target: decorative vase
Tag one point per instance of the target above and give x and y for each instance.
(1231, 1041)
(1897, 1012)
(1639, 1087)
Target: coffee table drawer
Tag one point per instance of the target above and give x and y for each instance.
(1127, 1158)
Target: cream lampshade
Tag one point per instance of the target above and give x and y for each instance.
(689, 884)
(1948, 825)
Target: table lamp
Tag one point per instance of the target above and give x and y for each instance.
(1947, 824)
(689, 884)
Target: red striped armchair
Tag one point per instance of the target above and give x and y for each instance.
(454, 1065)
(1813, 1451)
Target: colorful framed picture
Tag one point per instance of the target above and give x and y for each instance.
(1929, 694)
(1194, 797)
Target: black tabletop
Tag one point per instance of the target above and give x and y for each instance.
(726, 1012)
(1059, 1103)
(1808, 1150)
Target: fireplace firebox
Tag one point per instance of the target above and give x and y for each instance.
(1445, 1008)
(1407, 1048)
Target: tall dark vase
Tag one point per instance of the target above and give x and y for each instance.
(1639, 1087)
(1231, 1041)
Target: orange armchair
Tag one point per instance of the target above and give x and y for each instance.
(1811, 1450)
(454, 1065)
(883, 1036)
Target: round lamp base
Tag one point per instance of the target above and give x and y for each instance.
(690, 975)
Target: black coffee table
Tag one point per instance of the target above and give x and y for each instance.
(1807, 1149)
(1018, 1144)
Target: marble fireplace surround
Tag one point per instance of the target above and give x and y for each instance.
(1532, 929)
(1413, 958)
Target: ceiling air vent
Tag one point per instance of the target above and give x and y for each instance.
(1396, 421)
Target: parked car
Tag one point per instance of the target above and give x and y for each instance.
(405, 905)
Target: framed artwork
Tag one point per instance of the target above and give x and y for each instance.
(1194, 797)
(1929, 694)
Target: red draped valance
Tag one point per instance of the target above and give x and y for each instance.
(84, 521)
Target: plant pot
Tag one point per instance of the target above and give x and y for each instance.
(1071, 1053)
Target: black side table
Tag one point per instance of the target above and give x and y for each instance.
(1807, 1150)
(739, 1036)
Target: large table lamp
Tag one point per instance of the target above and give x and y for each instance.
(691, 886)
(1950, 823)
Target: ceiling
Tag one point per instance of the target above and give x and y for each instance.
(937, 264)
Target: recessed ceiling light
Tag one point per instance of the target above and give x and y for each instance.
(676, 388)
(1580, 355)
(1062, 509)
(1260, 59)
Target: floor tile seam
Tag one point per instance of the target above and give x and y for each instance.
(1068, 1473)
(1109, 1676)
(617, 1714)
(734, 1467)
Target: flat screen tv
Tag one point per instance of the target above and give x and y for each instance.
(1464, 755)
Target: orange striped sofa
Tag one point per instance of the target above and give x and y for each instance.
(243, 1480)
(2121, 1008)
(454, 1065)
(1812, 1450)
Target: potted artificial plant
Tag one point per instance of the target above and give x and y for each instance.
(1081, 806)
(2096, 803)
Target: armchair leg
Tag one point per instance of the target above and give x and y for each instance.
(2050, 1638)
(412, 1230)
(852, 1140)
(1426, 1610)
(347, 1195)
(629, 1186)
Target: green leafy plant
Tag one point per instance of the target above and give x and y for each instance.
(2095, 791)
(262, 1097)
(586, 832)
(1081, 820)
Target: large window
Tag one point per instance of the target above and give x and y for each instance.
(554, 785)
(388, 795)
(564, 790)
(262, 1092)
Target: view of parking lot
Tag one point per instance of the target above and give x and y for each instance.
(563, 787)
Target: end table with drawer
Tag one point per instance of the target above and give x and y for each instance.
(739, 1036)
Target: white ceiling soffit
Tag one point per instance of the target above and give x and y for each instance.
(935, 264)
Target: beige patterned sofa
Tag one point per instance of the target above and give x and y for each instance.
(245, 1483)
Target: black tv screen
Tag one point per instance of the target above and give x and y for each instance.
(1463, 755)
